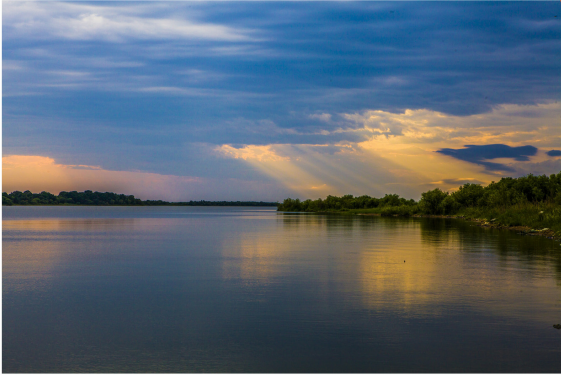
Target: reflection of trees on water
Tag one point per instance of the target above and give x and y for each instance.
(437, 234)
(346, 223)
(293, 222)
(506, 244)
(331, 223)
(534, 250)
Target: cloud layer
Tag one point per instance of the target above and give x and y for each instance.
(206, 89)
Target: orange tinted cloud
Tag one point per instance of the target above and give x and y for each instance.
(39, 173)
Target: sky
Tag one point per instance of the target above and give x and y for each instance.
(268, 100)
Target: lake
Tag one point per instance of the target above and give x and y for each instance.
(233, 289)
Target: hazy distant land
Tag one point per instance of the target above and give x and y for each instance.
(107, 199)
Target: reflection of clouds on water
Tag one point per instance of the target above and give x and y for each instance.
(358, 260)
(34, 251)
(398, 274)
(73, 225)
(231, 292)
(417, 267)
(253, 258)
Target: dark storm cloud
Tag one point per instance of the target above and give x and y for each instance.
(479, 154)
(554, 153)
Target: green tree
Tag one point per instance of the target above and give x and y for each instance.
(431, 201)
(468, 195)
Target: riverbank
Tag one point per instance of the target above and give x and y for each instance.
(489, 223)
(528, 204)
(521, 230)
(530, 225)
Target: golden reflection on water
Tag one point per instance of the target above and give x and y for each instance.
(220, 290)
(415, 267)
(407, 266)
(253, 257)
(57, 225)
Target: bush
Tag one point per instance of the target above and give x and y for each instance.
(431, 201)
(6, 201)
(449, 205)
(468, 195)
(505, 193)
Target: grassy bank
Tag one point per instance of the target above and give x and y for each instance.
(536, 217)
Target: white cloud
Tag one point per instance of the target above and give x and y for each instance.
(251, 152)
(323, 117)
(110, 23)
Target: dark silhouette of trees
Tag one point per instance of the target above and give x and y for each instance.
(107, 199)
(507, 192)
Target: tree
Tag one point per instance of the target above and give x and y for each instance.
(431, 201)
(468, 194)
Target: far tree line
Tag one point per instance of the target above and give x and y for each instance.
(107, 199)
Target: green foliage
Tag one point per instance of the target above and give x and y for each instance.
(468, 195)
(6, 200)
(449, 205)
(74, 197)
(431, 201)
(557, 199)
(106, 199)
(534, 215)
(530, 188)
(347, 202)
(524, 192)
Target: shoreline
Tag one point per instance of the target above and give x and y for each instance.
(483, 222)
(146, 206)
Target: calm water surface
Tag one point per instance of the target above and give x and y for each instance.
(189, 289)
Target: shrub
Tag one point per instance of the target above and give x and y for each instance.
(431, 201)
(468, 195)
(449, 205)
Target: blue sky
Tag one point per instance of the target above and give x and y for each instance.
(263, 95)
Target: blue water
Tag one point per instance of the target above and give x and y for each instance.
(199, 289)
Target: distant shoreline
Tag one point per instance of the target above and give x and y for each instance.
(89, 198)
(209, 203)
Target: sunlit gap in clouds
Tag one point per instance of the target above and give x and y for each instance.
(401, 155)
(273, 161)
(374, 171)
